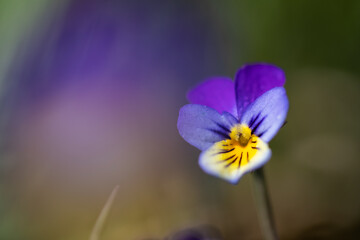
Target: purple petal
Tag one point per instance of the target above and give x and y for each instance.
(252, 81)
(267, 114)
(202, 126)
(217, 93)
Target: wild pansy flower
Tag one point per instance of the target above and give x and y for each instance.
(232, 122)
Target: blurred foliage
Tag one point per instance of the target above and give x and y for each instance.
(18, 20)
(292, 34)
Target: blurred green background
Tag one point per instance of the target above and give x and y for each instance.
(90, 92)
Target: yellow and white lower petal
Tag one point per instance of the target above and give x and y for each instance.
(230, 159)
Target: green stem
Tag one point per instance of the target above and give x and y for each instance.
(263, 205)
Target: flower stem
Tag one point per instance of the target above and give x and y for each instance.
(263, 205)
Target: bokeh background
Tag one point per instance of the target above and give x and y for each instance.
(89, 97)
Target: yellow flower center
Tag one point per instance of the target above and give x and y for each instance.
(232, 157)
(241, 133)
(239, 149)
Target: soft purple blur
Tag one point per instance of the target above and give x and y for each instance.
(94, 104)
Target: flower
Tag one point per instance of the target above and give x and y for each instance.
(232, 122)
(205, 232)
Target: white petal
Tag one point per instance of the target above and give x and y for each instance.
(230, 161)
